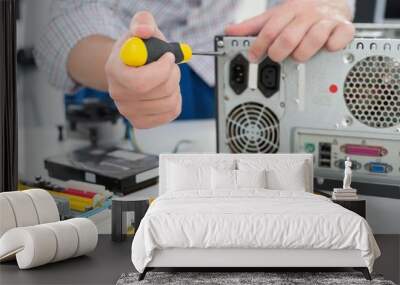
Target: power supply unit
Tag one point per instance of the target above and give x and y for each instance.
(340, 104)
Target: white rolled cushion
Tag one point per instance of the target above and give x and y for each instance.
(282, 174)
(45, 205)
(67, 240)
(33, 246)
(23, 208)
(7, 218)
(87, 235)
(251, 178)
(223, 179)
(37, 245)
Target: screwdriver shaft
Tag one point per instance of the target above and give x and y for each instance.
(208, 53)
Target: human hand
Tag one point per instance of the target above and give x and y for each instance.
(297, 28)
(148, 96)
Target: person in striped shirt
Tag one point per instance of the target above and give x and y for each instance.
(81, 44)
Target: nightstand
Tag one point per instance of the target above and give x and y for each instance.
(136, 202)
(357, 206)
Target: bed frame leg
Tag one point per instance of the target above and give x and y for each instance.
(365, 272)
(143, 274)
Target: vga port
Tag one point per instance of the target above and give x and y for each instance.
(378, 167)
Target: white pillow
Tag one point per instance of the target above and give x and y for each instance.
(226, 179)
(223, 179)
(282, 174)
(188, 177)
(193, 173)
(251, 178)
(293, 180)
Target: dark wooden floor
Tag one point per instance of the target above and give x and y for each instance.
(110, 260)
(389, 262)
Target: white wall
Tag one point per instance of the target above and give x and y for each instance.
(383, 214)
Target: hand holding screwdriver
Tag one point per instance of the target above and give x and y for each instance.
(148, 95)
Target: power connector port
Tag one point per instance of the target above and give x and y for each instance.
(269, 73)
(239, 73)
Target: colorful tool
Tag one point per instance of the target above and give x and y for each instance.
(137, 52)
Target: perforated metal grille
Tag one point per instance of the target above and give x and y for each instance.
(372, 91)
(252, 128)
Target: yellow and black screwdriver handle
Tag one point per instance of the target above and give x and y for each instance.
(137, 52)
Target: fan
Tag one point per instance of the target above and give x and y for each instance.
(372, 91)
(252, 128)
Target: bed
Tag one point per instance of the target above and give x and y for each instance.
(246, 211)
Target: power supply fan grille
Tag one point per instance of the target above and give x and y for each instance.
(372, 91)
(252, 128)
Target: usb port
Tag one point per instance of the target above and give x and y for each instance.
(324, 156)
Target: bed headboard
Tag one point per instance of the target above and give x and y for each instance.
(166, 158)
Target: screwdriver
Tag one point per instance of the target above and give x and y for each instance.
(137, 52)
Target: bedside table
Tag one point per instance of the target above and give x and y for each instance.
(136, 202)
(357, 206)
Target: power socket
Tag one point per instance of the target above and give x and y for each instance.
(239, 74)
(269, 77)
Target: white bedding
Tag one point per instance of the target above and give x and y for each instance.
(252, 218)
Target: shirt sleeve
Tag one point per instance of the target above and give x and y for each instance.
(72, 21)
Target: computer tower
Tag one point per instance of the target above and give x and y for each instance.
(340, 104)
